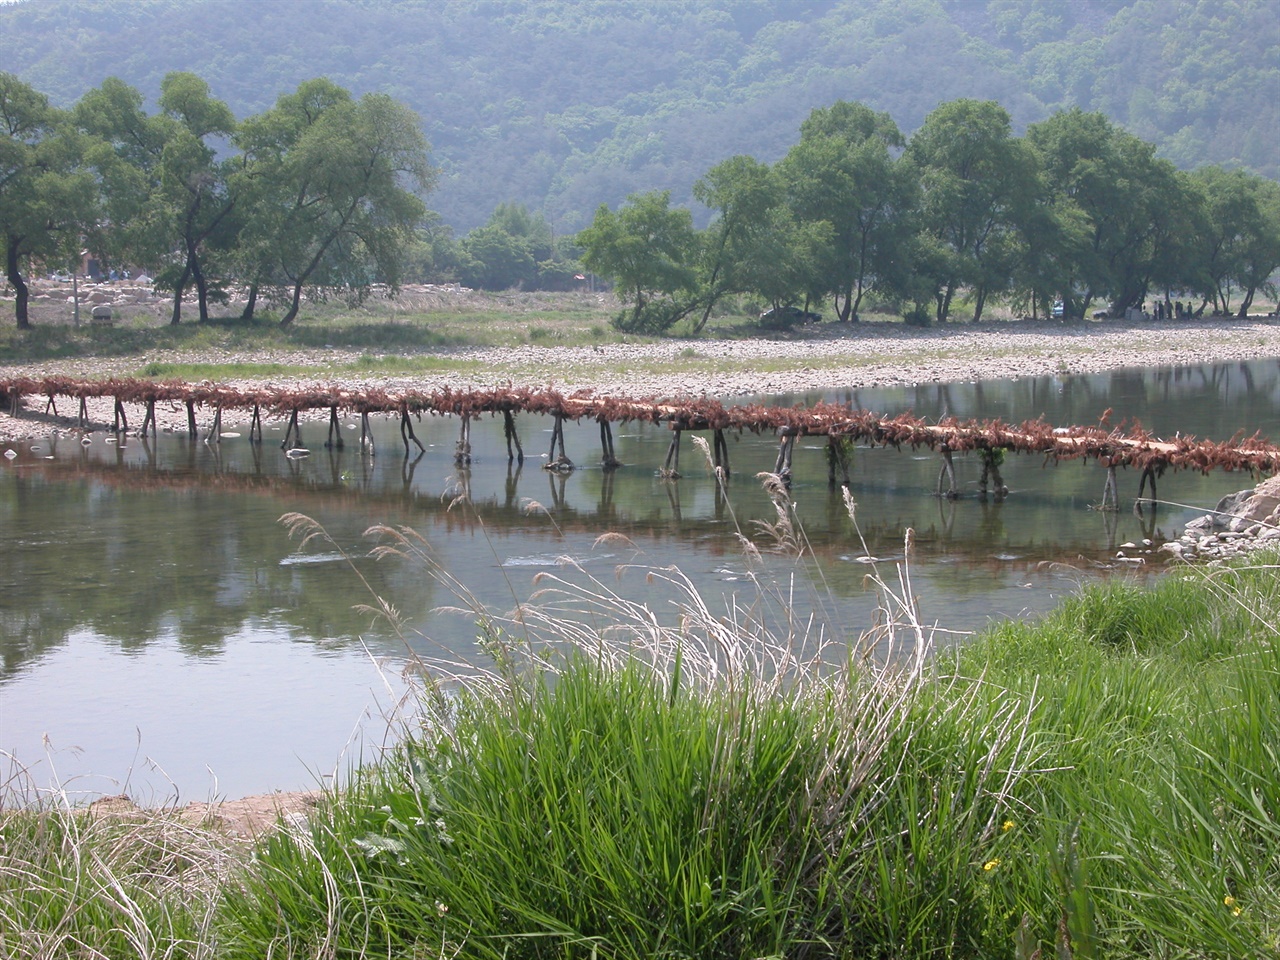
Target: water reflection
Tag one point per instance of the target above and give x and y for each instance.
(154, 565)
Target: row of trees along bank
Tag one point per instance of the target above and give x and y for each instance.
(325, 190)
(1076, 210)
(322, 189)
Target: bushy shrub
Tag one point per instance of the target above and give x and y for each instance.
(918, 316)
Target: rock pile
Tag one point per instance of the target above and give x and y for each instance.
(1242, 521)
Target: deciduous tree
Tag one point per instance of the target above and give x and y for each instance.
(337, 185)
(978, 183)
(46, 197)
(647, 249)
(843, 171)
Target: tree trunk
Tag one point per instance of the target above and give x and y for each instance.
(177, 296)
(979, 304)
(247, 313)
(202, 285)
(289, 317)
(22, 294)
(944, 302)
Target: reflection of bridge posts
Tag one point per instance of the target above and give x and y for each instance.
(721, 503)
(335, 464)
(991, 526)
(605, 507)
(459, 489)
(557, 478)
(513, 482)
(408, 468)
(148, 450)
(673, 497)
(1110, 524)
(947, 514)
(1147, 523)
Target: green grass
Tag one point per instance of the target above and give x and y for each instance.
(1099, 784)
(76, 883)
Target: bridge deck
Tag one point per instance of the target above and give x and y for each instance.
(1112, 447)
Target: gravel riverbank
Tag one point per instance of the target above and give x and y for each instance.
(826, 356)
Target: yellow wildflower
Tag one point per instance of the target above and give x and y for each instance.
(1230, 901)
(1006, 826)
(991, 864)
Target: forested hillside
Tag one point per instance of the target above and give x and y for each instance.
(565, 105)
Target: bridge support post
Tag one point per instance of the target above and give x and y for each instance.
(991, 460)
(120, 421)
(839, 455)
(292, 431)
(406, 432)
(366, 432)
(720, 453)
(334, 439)
(215, 431)
(255, 426)
(608, 458)
(782, 466)
(948, 472)
(561, 462)
(149, 420)
(671, 466)
(192, 432)
(1149, 473)
(1110, 490)
(82, 419)
(462, 449)
(509, 431)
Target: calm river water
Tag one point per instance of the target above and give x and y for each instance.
(163, 636)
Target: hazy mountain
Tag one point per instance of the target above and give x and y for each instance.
(564, 105)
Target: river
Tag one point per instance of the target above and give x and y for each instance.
(165, 637)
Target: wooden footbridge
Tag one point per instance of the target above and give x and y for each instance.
(843, 426)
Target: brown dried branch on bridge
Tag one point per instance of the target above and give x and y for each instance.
(1131, 446)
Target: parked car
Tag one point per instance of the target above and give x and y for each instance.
(786, 316)
(1059, 309)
